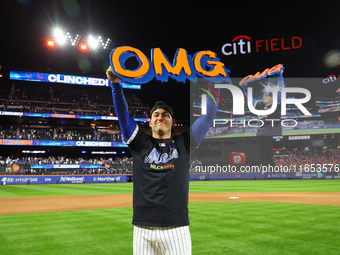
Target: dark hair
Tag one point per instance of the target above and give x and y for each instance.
(161, 105)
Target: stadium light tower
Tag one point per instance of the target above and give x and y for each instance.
(65, 39)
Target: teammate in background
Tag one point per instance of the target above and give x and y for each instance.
(160, 174)
(3, 181)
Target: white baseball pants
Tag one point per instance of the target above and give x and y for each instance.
(161, 240)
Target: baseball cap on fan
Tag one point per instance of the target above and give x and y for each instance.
(161, 105)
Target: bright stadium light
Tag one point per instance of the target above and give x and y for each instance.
(107, 43)
(59, 36)
(76, 40)
(62, 38)
(83, 47)
(93, 42)
(50, 43)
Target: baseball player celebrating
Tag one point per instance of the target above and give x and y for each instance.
(160, 175)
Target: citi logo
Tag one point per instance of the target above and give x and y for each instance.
(243, 44)
(330, 78)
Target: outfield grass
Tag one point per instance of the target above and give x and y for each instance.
(265, 186)
(264, 228)
(216, 228)
(65, 189)
(104, 231)
(195, 187)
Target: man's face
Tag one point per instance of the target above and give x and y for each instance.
(267, 99)
(161, 122)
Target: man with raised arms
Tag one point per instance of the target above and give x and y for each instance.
(160, 174)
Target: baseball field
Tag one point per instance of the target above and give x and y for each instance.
(227, 217)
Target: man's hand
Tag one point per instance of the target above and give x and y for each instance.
(111, 76)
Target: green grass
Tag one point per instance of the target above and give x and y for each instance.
(316, 185)
(65, 189)
(104, 231)
(264, 228)
(195, 187)
(216, 228)
(311, 131)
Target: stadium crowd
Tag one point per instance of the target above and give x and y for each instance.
(40, 98)
(59, 133)
(297, 158)
(118, 165)
(59, 160)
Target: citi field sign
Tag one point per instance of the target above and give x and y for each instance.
(243, 44)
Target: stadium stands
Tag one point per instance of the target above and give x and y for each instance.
(302, 157)
(56, 128)
(65, 99)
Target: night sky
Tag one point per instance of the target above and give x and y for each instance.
(26, 25)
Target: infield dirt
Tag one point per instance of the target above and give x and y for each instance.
(18, 205)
